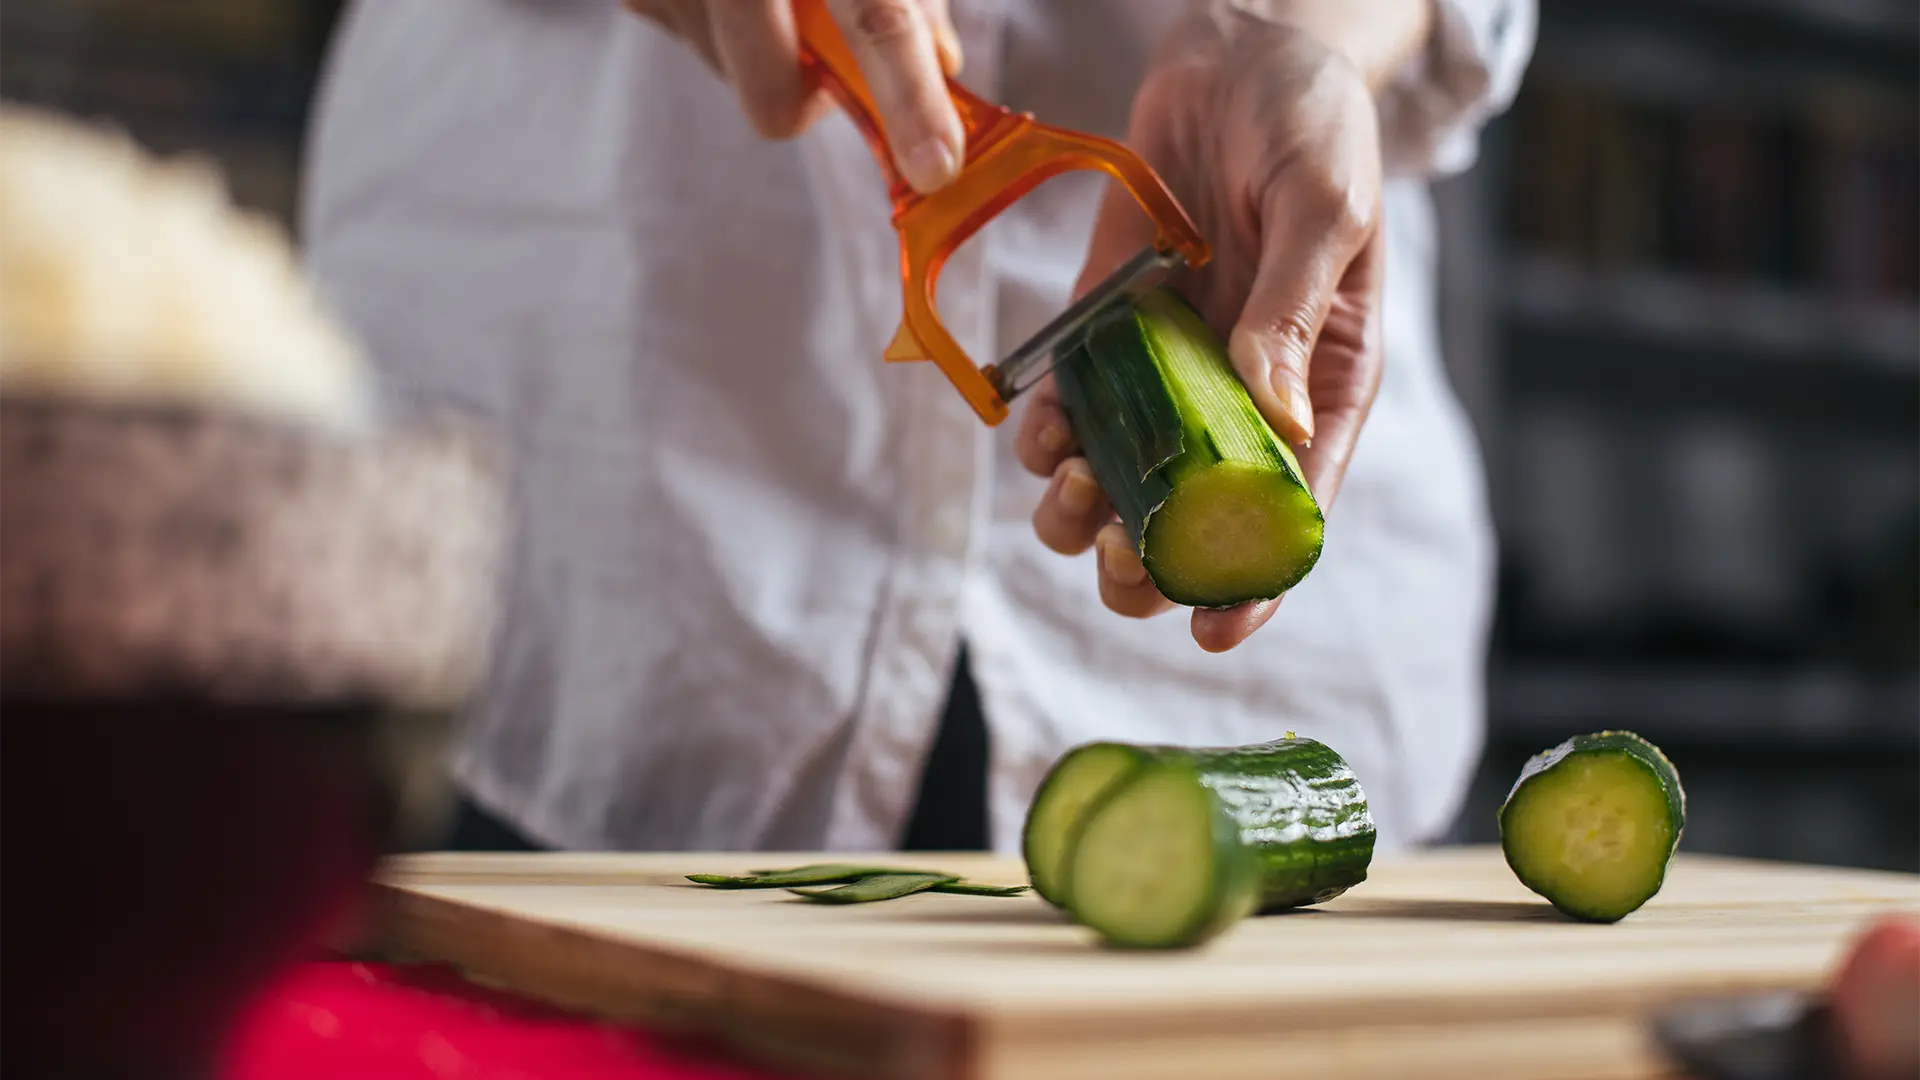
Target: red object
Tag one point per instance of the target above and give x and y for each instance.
(329, 1020)
(163, 863)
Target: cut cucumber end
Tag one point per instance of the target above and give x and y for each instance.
(1593, 834)
(1076, 781)
(1232, 532)
(1157, 864)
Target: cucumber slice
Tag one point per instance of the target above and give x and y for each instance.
(1592, 824)
(1181, 848)
(1159, 864)
(1215, 501)
(1081, 776)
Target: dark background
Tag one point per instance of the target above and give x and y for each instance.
(1681, 295)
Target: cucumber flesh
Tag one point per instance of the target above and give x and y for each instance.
(1223, 530)
(1592, 824)
(1075, 782)
(1159, 864)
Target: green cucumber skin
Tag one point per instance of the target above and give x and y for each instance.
(1648, 756)
(817, 874)
(1301, 812)
(968, 888)
(879, 887)
(1053, 892)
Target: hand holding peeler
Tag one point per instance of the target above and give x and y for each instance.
(1007, 155)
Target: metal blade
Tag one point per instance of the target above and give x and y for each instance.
(1037, 355)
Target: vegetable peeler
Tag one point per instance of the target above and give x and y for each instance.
(1007, 155)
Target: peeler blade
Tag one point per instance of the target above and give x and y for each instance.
(1037, 355)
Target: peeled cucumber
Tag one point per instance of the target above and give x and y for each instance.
(1592, 824)
(1214, 500)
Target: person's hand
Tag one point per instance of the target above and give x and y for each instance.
(903, 47)
(1268, 136)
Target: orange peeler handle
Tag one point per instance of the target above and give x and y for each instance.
(1007, 155)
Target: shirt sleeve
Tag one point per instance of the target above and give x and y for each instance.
(1432, 114)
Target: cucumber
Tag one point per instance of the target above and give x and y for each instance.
(1593, 823)
(1214, 500)
(1081, 776)
(1181, 847)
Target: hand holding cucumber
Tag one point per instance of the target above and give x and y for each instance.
(1266, 130)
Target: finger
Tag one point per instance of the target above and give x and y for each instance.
(1346, 378)
(1044, 439)
(1346, 375)
(759, 50)
(1307, 243)
(1874, 997)
(1072, 509)
(946, 40)
(893, 43)
(1219, 629)
(1124, 585)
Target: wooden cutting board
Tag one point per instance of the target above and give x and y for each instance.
(1440, 965)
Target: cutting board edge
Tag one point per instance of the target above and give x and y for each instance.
(1582, 1048)
(782, 1021)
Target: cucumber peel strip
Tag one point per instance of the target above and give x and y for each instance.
(817, 874)
(877, 887)
(851, 874)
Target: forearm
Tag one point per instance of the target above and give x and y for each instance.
(1379, 37)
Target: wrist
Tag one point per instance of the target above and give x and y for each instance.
(1378, 37)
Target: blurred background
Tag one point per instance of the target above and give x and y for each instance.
(1681, 297)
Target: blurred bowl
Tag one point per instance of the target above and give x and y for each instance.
(231, 654)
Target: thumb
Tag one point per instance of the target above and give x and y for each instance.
(1303, 257)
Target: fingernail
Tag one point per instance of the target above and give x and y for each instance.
(1292, 391)
(1121, 564)
(1077, 491)
(1053, 437)
(929, 165)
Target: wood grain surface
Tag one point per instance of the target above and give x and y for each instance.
(1440, 965)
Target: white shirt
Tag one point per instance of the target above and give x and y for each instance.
(747, 549)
